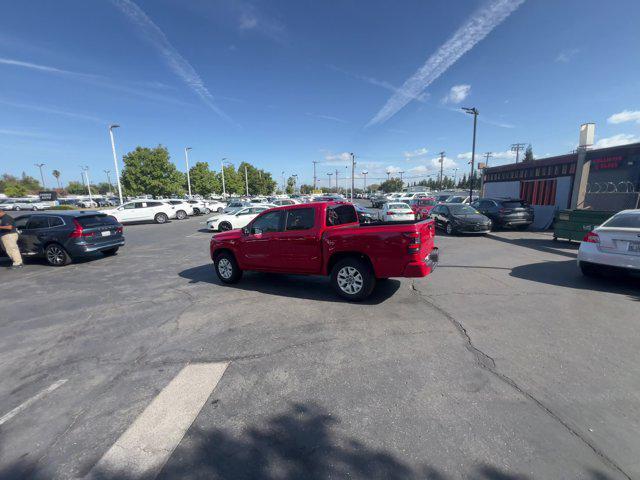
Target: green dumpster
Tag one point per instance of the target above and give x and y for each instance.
(573, 225)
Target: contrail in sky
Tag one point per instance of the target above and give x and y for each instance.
(481, 23)
(180, 66)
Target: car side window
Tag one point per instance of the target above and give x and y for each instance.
(129, 206)
(300, 219)
(341, 214)
(21, 222)
(486, 204)
(444, 210)
(269, 222)
(139, 205)
(55, 222)
(244, 211)
(154, 204)
(38, 221)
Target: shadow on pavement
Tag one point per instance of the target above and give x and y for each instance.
(294, 286)
(567, 274)
(302, 443)
(540, 244)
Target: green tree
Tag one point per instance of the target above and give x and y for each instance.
(391, 185)
(233, 181)
(260, 182)
(204, 181)
(102, 188)
(56, 174)
(31, 184)
(528, 154)
(291, 183)
(150, 171)
(15, 190)
(76, 188)
(306, 189)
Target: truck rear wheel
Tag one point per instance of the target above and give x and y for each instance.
(352, 279)
(227, 268)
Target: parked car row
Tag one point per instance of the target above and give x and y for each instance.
(17, 204)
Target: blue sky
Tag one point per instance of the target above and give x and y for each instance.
(283, 83)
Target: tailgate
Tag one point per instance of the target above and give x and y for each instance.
(427, 232)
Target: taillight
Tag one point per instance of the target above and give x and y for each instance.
(389, 213)
(78, 231)
(119, 229)
(591, 237)
(414, 242)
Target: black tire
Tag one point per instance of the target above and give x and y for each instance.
(449, 229)
(181, 214)
(17, 209)
(522, 227)
(345, 276)
(196, 211)
(225, 226)
(207, 211)
(227, 268)
(589, 270)
(161, 218)
(56, 255)
(220, 210)
(111, 251)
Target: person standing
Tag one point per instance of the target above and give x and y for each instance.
(9, 239)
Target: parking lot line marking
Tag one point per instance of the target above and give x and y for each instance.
(145, 447)
(8, 416)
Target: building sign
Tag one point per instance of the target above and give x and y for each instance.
(606, 163)
(48, 196)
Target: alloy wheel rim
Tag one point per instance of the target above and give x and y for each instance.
(350, 280)
(225, 268)
(55, 255)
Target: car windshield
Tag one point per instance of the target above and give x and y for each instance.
(462, 210)
(427, 203)
(455, 199)
(399, 206)
(624, 220)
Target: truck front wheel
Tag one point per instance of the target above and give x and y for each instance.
(227, 268)
(353, 279)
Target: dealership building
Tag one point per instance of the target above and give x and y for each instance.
(611, 180)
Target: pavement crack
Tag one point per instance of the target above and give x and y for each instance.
(487, 363)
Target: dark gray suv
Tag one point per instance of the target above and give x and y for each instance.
(61, 237)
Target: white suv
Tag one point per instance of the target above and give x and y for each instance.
(143, 211)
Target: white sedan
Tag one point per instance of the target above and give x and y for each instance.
(396, 212)
(238, 219)
(615, 243)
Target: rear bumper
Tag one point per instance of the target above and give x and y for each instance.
(590, 253)
(513, 221)
(424, 268)
(81, 249)
(471, 229)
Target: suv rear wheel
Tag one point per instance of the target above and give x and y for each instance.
(160, 218)
(181, 214)
(227, 268)
(352, 279)
(56, 255)
(589, 270)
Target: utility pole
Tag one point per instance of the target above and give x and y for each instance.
(315, 179)
(337, 180)
(487, 156)
(472, 111)
(40, 165)
(346, 179)
(516, 147)
(108, 178)
(455, 176)
(246, 179)
(441, 168)
(330, 173)
(364, 174)
(186, 159)
(115, 160)
(401, 182)
(224, 189)
(353, 171)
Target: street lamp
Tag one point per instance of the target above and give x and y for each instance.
(472, 111)
(401, 172)
(115, 160)
(353, 173)
(40, 165)
(364, 174)
(85, 172)
(329, 173)
(186, 159)
(224, 189)
(108, 178)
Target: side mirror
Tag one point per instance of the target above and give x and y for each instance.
(257, 231)
(245, 230)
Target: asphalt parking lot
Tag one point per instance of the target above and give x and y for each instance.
(504, 364)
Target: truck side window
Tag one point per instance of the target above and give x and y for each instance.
(300, 219)
(269, 222)
(341, 214)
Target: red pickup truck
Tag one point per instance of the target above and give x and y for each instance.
(325, 238)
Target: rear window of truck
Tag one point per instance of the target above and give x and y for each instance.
(341, 214)
(88, 221)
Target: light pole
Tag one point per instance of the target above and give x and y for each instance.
(364, 174)
(455, 176)
(315, 179)
(329, 173)
(346, 179)
(401, 172)
(441, 168)
(353, 171)
(516, 147)
(472, 111)
(85, 173)
(186, 159)
(224, 188)
(284, 190)
(40, 165)
(115, 160)
(108, 178)
(388, 175)
(246, 180)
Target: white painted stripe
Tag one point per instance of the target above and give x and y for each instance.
(8, 416)
(145, 447)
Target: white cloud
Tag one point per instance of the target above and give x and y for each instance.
(420, 170)
(176, 62)
(23, 133)
(392, 169)
(625, 116)
(457, 94)
(44, 68)
(447, 163)
(416, 153)
(565, 56)
(326, 117)
(54, 111)
(337, 159)
(476, 28)
(615, 140)
(247, 21)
